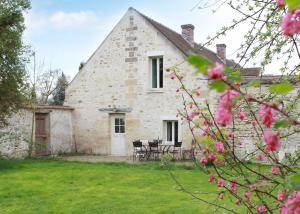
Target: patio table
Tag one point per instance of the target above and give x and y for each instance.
(165, 147)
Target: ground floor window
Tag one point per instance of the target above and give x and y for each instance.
(171, 131)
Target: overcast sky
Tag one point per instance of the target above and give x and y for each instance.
(66, 32)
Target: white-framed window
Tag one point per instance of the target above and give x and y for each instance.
(157, 72)
(119, 125)
(171, 131)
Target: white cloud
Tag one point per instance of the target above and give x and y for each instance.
(39, 23)
(62, 19)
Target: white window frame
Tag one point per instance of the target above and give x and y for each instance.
(165, 128)
(157, 73)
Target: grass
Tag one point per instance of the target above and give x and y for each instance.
(52, 186)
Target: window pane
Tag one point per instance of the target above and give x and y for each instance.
(169, 131)
(117, 121)
(161, 72)
(122, 129)
(176, 131)
(122, 121)
(154, 73)
(117, 129)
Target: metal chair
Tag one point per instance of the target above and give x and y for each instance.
(138, 150)
(154, 150)
(176, 149)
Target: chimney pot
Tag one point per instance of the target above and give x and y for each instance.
(188, 33)
(221, 51)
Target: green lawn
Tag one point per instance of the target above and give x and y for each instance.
(50, 186)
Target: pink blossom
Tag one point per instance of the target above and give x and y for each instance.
(227, 97)
(233, 187)
(221, 196)
(261, 209)
(198, 93)
(275, 170)
(219, 147)
(211, 178)
(177, 90)
(230, 134)
(238, 202)
(260, 157)
(223, 116)
(241, 115)
(216, 72)
(224, 110)
(203, 160)
(253, 122)
(281, 196)
(272, 141)
(247, 196)
(191, 115)
(292, 206)
(280, 3)
(290, 23)
(212, 157)
(220, 183)
(267, 115)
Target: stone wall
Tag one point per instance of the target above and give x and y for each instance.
(16, 137)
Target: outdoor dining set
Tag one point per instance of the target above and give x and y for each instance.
(152, 150)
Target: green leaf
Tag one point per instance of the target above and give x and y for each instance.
(207, 141)
(281, 88)
(199, 62)
(293, 4)
(281, 124)
(254, 83)
(294, 181)
(234, 78)
(218, 85)
(228, 70)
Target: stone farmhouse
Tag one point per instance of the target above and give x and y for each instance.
(122, 93)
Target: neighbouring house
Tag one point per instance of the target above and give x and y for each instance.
(123, 93)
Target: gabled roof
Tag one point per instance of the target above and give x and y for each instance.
(183, 45)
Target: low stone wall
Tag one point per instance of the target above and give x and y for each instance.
(15, 138)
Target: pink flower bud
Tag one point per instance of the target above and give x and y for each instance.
(220, 183)
(216, 72)
(281, 196)
(241, 115)
(275, 170)
(260, 208)
(260, 157)
(203, 160)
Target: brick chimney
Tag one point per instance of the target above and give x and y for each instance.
(188, 33)
(221, 51)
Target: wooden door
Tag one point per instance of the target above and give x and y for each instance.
(41, 134)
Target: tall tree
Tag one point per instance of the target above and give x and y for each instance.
(46, 84)
(12, 56)
(59, 92)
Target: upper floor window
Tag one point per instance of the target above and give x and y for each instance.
(157, 65)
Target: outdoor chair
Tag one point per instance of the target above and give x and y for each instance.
(138, 150)
(176, 149)
(154, 150)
